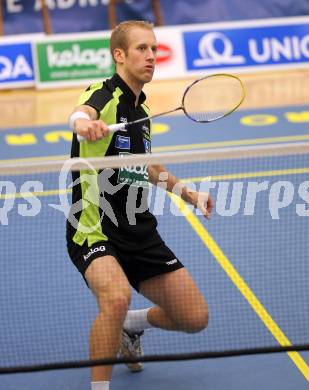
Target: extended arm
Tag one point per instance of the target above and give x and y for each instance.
(84, 121)
(158, 175)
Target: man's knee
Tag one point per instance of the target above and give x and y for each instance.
(115, 304)
(109, 284)
(115, 300)
(111, 297)
(196, 321)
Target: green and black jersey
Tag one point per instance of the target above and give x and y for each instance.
(110, 198)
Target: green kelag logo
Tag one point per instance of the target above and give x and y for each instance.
(135, 175)
(74, 60)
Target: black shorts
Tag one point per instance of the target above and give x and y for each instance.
(137, 265)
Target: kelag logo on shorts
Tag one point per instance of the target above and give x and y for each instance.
(249, 46)
(16, 66)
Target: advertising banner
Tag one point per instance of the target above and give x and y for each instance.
(80, 59)
(72, 61)
(170, 57)
(73, 16)
(16, 65)
(259, 44)
(70, 16)
(183, 51)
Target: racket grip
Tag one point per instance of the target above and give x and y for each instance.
(80, 138)
(117, 127)
(112, 129)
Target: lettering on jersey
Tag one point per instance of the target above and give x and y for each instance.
(135, 175)
(122, 142)
(146, 132)
(147, 146)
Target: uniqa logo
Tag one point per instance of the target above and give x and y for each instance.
(210, 54)
(78, 57)
(290, 48)
(10, 69)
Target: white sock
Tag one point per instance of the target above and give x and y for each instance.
(136, 321)
(104, 385)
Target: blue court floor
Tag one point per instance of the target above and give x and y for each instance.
(251, 267)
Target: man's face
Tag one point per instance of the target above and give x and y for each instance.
(140, 58)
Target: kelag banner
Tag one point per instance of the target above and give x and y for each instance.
(70, 60)
(21, 16)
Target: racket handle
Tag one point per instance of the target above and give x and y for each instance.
(111, 128)
(117, 127)
(80, 138)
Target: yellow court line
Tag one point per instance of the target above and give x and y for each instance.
(240, 283)
(241, 142)
(34, 159)
(171, 148)
(39, 194)
(247, 175)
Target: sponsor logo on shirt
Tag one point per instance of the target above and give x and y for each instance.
(135, 175)
(122, 142)
(147, 146)
(146, 132)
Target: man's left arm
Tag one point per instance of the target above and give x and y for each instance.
(160, 176)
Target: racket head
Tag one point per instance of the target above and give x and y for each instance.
(213, 97)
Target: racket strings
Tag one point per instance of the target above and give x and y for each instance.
(213, 97)
(204, 116)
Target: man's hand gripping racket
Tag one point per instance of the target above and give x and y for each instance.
(200, 103)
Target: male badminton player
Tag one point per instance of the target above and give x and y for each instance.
(117, 254)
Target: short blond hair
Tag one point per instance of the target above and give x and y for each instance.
(119, 37)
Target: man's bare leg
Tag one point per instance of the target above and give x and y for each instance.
(113, 293)
(180, 304)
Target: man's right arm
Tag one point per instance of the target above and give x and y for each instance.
(84, 121)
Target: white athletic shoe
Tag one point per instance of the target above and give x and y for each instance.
(131, 348)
